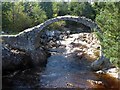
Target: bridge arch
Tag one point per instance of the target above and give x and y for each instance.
(29, 39)
(85, 21)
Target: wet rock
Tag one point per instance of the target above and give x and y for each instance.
(100, 72)
(69, 85)
(101, 63)
(39, 57)
(114, 72)
(95, 82)
(13, 59)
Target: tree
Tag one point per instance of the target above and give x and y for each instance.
(109, 20)
(6, 8)
(18, 16)
(13, 17)
(48, 8)
(82, 9)
(61, 8)
(88, 11)
(55, 9)
(35, 12)
(98, 6)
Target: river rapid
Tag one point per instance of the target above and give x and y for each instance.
(67, 67)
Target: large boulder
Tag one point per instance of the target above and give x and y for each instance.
(39, 57)
(101, 63)
(13, 59)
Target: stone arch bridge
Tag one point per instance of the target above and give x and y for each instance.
(28, 40)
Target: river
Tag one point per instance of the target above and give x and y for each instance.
(65, 69)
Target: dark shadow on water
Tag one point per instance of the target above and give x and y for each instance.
(62, 71)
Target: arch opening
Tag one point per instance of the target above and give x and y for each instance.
(82, 20)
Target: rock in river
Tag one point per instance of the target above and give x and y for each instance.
(13, 59)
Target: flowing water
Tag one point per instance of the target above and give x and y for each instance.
(64, 69)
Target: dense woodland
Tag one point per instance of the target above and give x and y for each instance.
(22, 15)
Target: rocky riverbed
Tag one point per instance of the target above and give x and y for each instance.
(69, 66)
(14, 59)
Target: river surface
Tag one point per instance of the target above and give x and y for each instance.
(65, 69)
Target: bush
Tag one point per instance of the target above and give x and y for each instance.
(57, 25)
(108, 20)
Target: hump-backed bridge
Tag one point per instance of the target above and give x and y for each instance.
(29, 39)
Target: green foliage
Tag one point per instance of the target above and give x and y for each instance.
(13, 17)
(98, 6)
(108, 20)
(60, 8)
(55, 9)
(18, 16)
(82, 9)
(63, 9)
(57, 25)
(48, 8)
(6, 7)
(35, 12)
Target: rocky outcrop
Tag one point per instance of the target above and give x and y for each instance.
(15, 59)
(88, 46)
(39, 57)
(101, 63)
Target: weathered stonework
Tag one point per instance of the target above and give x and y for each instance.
(29, 39)
(14, 59)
